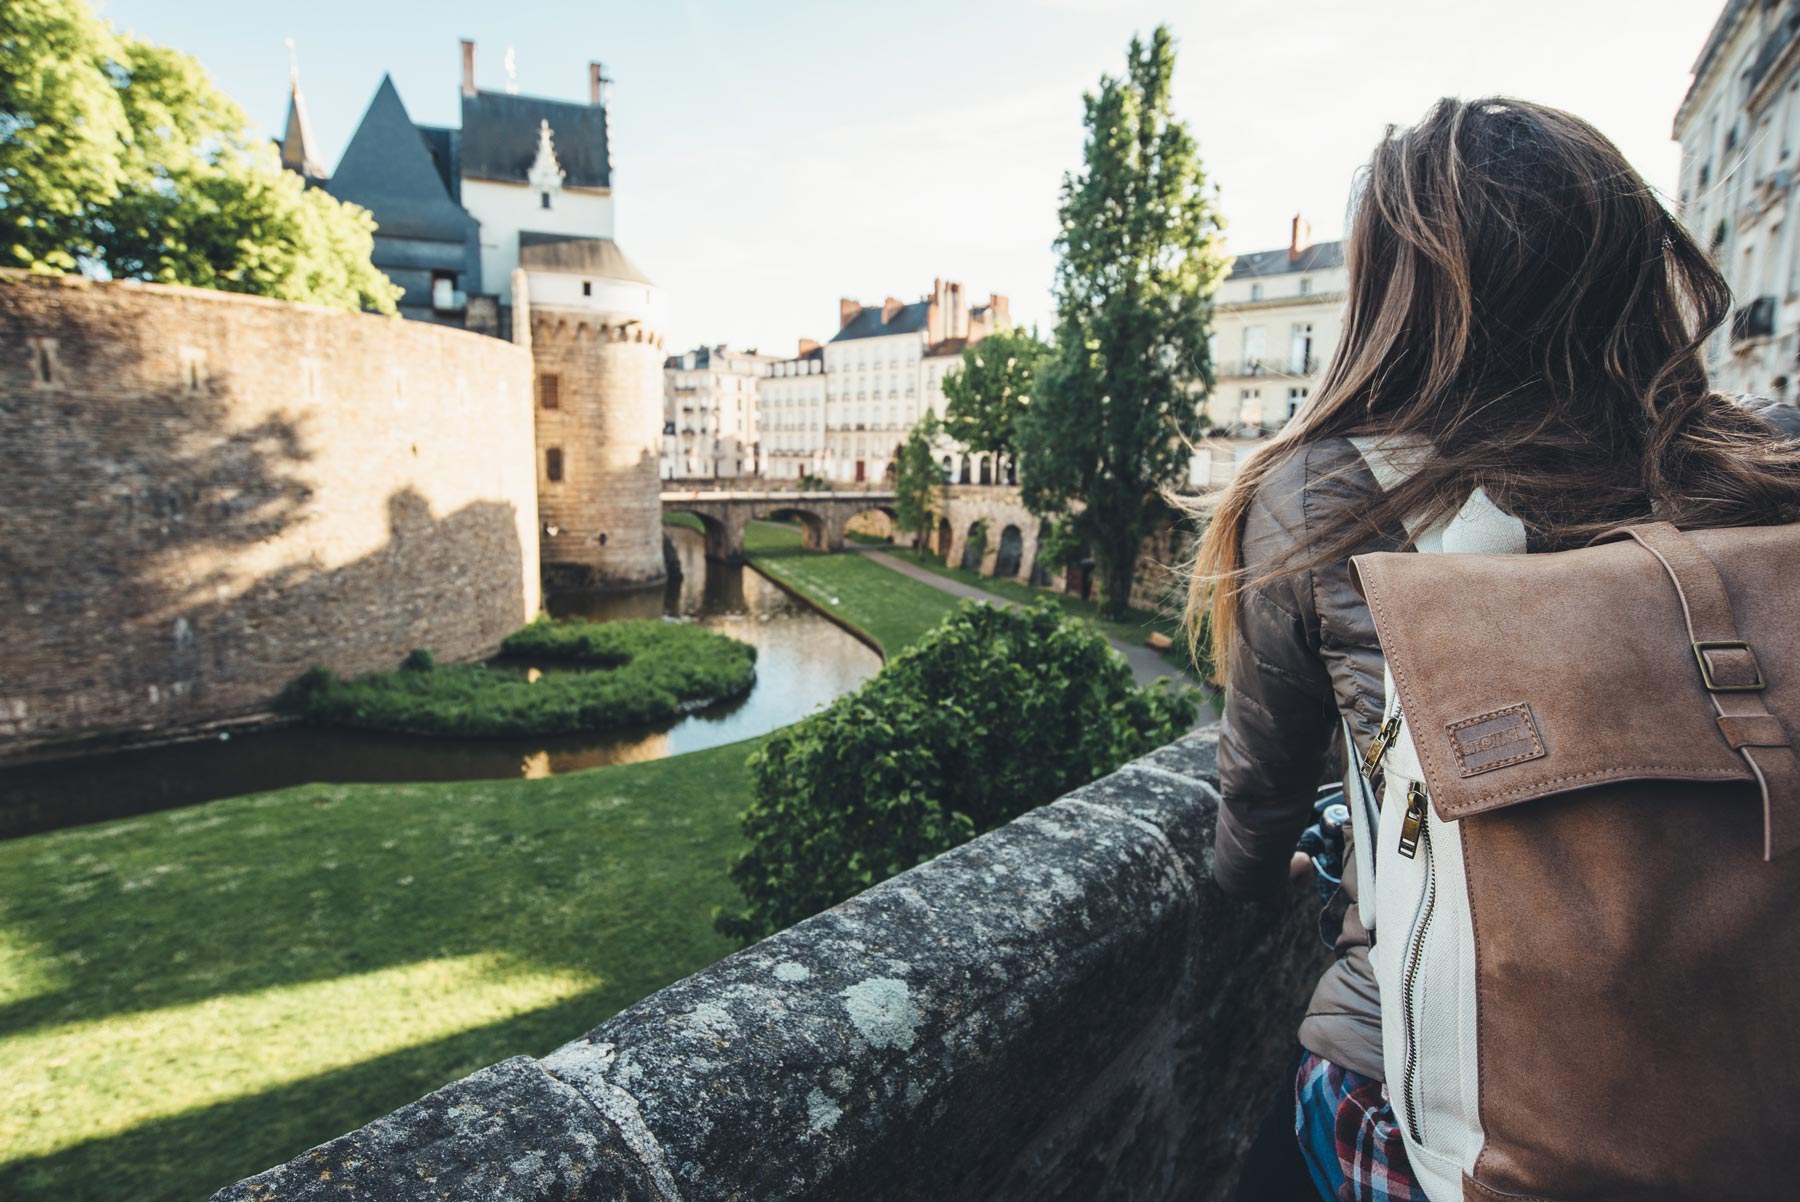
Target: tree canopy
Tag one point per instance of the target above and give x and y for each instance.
(993, 713)
(1142, 252)
(918, 481)
(120, 158)
(990, 391)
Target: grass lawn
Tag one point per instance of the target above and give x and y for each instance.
(190, 997)
(1134, 627)
(884, 605)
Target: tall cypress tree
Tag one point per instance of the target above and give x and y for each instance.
(1142, 251)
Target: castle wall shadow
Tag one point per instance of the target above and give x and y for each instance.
(202, 495)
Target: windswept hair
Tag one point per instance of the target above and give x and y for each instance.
(1521, 300)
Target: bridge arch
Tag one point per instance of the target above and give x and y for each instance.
(722, 542)
(816, 528)
(1011, 551)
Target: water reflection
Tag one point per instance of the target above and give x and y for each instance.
(803, 662)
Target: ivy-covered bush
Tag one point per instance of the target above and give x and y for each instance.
(622, 674)
(995, 712)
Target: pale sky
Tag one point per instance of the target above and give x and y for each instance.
(771, 157)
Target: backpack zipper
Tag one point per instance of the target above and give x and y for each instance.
(1414, 831)
(1384, 738)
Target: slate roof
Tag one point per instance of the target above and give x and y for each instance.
(388, 170)
(1320, 256)
(868, 324)
(577, 256)
(500, 138)
(445, 146)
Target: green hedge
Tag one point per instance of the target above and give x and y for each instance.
(641, 671)
(994, 712)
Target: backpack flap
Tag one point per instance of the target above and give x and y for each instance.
(1523, 676)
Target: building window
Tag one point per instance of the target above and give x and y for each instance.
(550, 391)
(1305, 286)
(443, 290)
(1296, 397)
(1256, 292)
(1249, 407)
(543, 200)
(587, 287)
(553, 465)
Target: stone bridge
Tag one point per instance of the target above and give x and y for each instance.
(824, 515)
(1065, 1009)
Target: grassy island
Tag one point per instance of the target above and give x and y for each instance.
(603, 675)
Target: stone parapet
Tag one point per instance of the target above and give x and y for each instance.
(1063, 1009)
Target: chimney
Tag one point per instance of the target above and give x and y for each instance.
(890, 307)
(468, 48)
(934, 315)
(956, 323)
(807, 347)
(999, 313)
(596, 84)
(847, 311)
(1300, 239)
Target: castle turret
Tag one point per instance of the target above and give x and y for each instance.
(599, 358)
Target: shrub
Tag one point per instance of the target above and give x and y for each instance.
(636, 672)
(993, 713)
(418, 660)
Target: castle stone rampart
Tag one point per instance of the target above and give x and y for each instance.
(1064, 1010)
(202, 495)
(599, 430)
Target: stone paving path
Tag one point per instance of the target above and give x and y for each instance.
(1146, 665)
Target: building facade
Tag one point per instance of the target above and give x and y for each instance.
(792, 414)
(884, 370)
(1739, 127)
(711, 412)
(1276, 319)
(504, 226)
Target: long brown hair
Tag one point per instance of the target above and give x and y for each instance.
(1521, 299)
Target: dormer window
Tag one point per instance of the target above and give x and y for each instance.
(1256, 292)
(546, 174)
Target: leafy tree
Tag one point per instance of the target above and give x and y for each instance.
(990, 391)
(995, 712)
(119, 157)
(1142, 253)
(918, 481)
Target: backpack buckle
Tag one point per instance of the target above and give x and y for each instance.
(1712, 682)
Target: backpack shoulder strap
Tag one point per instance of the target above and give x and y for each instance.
(1733, 678)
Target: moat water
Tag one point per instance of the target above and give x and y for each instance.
(803, 662)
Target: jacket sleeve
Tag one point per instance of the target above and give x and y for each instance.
(1782, 417)
(1279, 719)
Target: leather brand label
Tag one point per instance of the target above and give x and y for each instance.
(1495, 739)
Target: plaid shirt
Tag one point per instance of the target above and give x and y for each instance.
(1349, 1136)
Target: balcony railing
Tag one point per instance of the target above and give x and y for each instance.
(1306, 365)
(1754, 320)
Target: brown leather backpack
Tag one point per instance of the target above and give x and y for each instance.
(1588, 933)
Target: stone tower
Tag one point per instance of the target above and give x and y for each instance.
(599, 416)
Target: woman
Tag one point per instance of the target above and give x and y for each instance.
(1523, 331)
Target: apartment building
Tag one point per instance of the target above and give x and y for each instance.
(884, 369)
(1739, 129)
(1276, 318)
(792, 414)
(710, 412)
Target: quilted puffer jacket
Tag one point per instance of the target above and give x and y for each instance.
(1305, 656)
